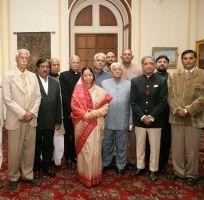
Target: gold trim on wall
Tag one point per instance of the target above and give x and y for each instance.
(139, 28)
(199, 46)
(59, 32)
(9, 34)
(1, 38)
(189, 24)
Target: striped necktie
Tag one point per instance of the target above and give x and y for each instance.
(25, 89)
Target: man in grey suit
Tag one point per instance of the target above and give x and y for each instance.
(118, 119)
(21, 95)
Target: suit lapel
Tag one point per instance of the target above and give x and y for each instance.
(50, 84)
(41, 86)
(16, 79)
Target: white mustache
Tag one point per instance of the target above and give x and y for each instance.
(23, 63)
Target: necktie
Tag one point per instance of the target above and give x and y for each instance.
(188, 73)
(25, 89)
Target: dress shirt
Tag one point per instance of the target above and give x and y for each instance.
(44, 83)
(188, 72)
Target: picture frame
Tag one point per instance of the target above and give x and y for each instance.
(199, 48)
(170, 52)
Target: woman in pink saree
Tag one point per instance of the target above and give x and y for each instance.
(89, 106)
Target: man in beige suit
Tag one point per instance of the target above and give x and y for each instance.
(186, 100)
(21, 95)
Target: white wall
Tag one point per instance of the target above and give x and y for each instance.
(169, 23)
(155, 23)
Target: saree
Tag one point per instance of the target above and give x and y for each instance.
(89, 132)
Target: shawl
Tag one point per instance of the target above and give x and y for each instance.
(81, 103)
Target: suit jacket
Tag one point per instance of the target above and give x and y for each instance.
(1, 105)
(153, 103)
(119, 113)
(13, 96)
(68, 80)
(50, 106)
(187, 92)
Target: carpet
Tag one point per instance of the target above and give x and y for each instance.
(65, 185)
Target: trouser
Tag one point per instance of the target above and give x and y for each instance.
(165, 146)
(112, 138)
(44, 147)
(154, 135)
(132, 141)
(21, 150)
(69, 139)
(185, 137)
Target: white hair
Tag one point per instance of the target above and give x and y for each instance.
(74, 56)
(19, 50)
(100, 54)
(114, 64)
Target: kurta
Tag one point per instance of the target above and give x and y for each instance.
(120, 112)
(101, 76)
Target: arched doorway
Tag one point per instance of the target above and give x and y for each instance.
(98, 26)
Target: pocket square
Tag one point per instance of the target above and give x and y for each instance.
(156, 85)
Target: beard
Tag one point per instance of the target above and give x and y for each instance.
(161, 69)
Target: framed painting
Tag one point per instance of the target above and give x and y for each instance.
(199, 48)
(170, 52)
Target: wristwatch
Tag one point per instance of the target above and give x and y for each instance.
(185, 110)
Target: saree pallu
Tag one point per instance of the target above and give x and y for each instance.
(89, 133)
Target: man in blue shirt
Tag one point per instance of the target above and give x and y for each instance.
(99, 64)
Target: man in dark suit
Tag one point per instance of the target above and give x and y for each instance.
(68, 80)
(148, 98)
(162, 63)
(49, 118)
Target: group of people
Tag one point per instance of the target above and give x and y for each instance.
(89, 116)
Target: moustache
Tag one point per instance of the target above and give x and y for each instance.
(24, 63)
(45, 71)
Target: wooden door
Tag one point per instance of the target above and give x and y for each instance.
(87, 45)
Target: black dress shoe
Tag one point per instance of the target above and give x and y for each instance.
(138, 172)
(120, 172)
(201, 150)
(105, 168)
(13, 185)
(131, 166)
(153, 176)
(69, 163)
(172, 176)
(33, 182)
(202, 176)
(49, 172)
(36, 174)
(191, 181)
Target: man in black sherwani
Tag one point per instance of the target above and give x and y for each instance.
(148, 99)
